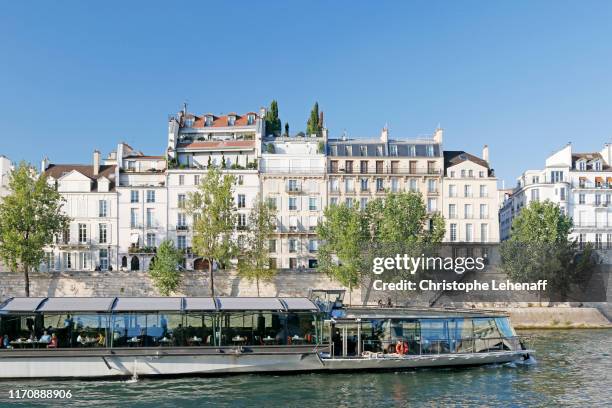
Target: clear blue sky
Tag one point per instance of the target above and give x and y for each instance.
(524, 77)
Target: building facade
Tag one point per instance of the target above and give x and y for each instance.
(580, 183)
(470, 201)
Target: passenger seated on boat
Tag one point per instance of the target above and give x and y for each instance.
(101, 340)
(53, 342)
(45, 338)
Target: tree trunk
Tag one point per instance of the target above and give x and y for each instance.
(26, 275)
(257, 282)
(212, 281)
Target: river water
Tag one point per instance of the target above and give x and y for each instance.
(574, 368)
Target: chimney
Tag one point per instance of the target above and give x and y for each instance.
(384, 135)
(438, 134)
(485, 153)
(44, 164)
(96, 162)
(262, 112)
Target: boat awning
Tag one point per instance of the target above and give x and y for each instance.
(21, 304)
(77, 304)
(199, 303)
(249, 303)
(299, 304)
(148, 304)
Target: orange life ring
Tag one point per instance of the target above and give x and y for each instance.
(401, 348)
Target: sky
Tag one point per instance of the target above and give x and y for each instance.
(524, 77)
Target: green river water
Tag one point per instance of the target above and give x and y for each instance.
(574, 368)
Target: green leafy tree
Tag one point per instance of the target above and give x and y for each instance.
(215, 217)
(287, 129)
(273, 123)
(313, 126)
(343, 234)
(254, 260)
(539, 249)
(30, 216)
(164, 270)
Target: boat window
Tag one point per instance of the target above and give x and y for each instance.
(486, 335)
(434, 336)
(503, 324)
(198, 329)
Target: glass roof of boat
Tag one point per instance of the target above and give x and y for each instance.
(153, 304)
(415, 312)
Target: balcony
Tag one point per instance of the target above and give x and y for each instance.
(418, 171)
(182, 228)
(293, 189)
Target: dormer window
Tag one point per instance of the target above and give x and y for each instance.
(209, 120)
(363, 150)
(393, 150)
(379, 151)
(597, 165)
(582, 165)
(250, 119)
(189, 122)
(349, 150)
(413, 150)
(430, 151)
(333, 150)
(231, 120)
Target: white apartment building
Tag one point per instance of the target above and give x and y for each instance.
(143, 206)
(470, 202)
(230, 142)
(360, 170)
(6, 166)
(580, 183)
(292, 175)
(91, 240)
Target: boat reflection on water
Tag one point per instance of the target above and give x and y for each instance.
(130, 337)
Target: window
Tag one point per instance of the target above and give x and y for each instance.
(333, 201)
(597, 165)
(181, 242)
(242, 221)
(484, 192)
(363, 166)
(181, 220)
(609, 243)
(468, 232)
(556, 176)
(293, 185)
(431, 186)
(67, 260)
(292, 245)
(272, 202)
(240, 180)
(467, 211)
(103, 253)
(430, 150)
(608, 198)
(452, 211)
(292, 203)
(151, 239)
(484, 232)
(131, 165)
(364, 184)
(535, 194)
(412, 150)
(150, 196)
(241, 201)
(181, 200)
(598, 244)
(481, 174)
(363, 151)
(84, 260)
(293, 223)
(313, 245)
(582, 165)
(452, 174)
(562, 193)
(348, 166)
(462, 173)
(181, 180)
(196, 180)
(597, 199)
(102, 233)
(313, 221)
(379, 185)
(394, 185)
(134, 196)
(379, 150)
(102, 208)
(413, 185)
(134, 217)
(312, 203)
(452, 190)
(333, 185)
(453, 232)
(393, 150)
(432, 204)
(349, 185)
(467, 190)
(470, 173)
(150, 218)
(82, 233)
(581, 198)
(581, 240)
(272, 245)
(349, 202)
(484, 211)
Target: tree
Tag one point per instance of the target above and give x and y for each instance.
(215, 217)
(30, 216)
(343, 234)
(313, 127)
(273, 123)
(164, 269)
(539, 248)
(287, 129)
(254, 260)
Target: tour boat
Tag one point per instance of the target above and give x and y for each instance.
(99, 337)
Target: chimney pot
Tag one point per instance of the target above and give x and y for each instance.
(485, 153)
(96, 162)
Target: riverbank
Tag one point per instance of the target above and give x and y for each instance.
(558, 318)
